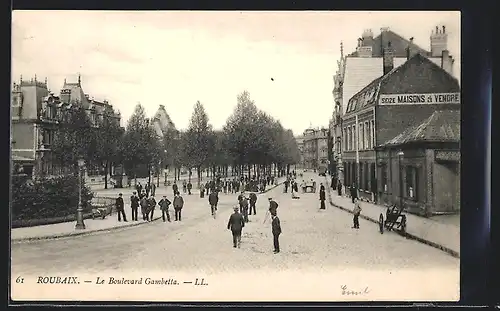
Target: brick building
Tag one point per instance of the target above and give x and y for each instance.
(421, 166)
(36, 114)
(357, 69)
(400, 99)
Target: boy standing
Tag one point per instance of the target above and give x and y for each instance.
(356, 211)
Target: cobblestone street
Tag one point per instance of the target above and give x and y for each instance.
(312, 240)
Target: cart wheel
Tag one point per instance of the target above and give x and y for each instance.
(403, 223)
(381, 223)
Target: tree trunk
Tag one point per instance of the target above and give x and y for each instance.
(106, 175)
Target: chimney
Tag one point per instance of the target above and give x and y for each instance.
(447, 62)
(388, 58)
(439, 42)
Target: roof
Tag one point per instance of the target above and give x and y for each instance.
(441, 126)
(359, 72)
(398, 44)
(361, 100)
(17, 158)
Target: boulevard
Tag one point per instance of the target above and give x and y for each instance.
(311, 238)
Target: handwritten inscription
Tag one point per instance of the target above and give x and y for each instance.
(349, 292)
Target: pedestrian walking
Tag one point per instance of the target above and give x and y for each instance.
(120, 207)
(144, 208)
(356, 211)
(153, 189)
(321, 187)
(276, 230)
(189, 187)
(151, 206)
(287, 182)
(236, 224)
(164, 205)
(253, 202)
(178, 205)
(354, 192)
(202, 191)
(175, 188)
(322, 198)
(339, 187)
(213, 199)
(142, 194)
(243, 201)
(134, 204)
(184, 186)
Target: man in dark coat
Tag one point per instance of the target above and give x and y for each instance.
(243, 201)
(236, 224)
(354, 192)
(189, 187)
(144, 208)
(273, 206)
(178, 205)
(184, 186)
(175, 188)
(152, 206)
(253, 201)
(339, 187)
(134, 204)
(213, 199)
(287, 182)
(120, 208)
(322, 198)
(164, 205)
(276, 230)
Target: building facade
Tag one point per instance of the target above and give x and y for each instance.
(315, 148)
(36, 116)
(359, 68)
(420, 167)
(300, 146)
(402, 98)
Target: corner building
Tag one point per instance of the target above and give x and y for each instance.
(403, 98)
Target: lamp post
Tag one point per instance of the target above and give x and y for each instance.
(400, 158)
(79, 211)
(165, 157)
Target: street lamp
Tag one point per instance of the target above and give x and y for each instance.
(79, 211)
(400, 158)
(165, 157)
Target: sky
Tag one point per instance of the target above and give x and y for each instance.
(175, 58)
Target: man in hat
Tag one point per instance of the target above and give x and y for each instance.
(236, 224)
(134, 204)
(213, 199)
(120, 208)
(273, 206)
(164, 205)
(178, 205)
(276, 230)
(253, 201)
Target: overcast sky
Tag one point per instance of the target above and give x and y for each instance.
(176, 58)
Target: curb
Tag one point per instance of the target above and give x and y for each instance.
(78, 233)
(407, 235)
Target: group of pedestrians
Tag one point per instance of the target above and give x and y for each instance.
(147, 203)
(239, 218)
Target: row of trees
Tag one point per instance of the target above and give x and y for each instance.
(250, 140)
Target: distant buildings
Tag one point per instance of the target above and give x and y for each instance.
(300, 145)
(314, 148)
(36, 115)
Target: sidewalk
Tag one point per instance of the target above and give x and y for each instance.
(442, 234)
(67, 229)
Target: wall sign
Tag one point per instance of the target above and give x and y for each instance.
(418, 99)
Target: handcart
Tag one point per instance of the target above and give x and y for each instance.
(394, 217)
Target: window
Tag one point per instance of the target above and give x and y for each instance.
(372, 123)
(361, 137)
(367, 138)
(351, 140)
(411, 182)
(348, 136)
